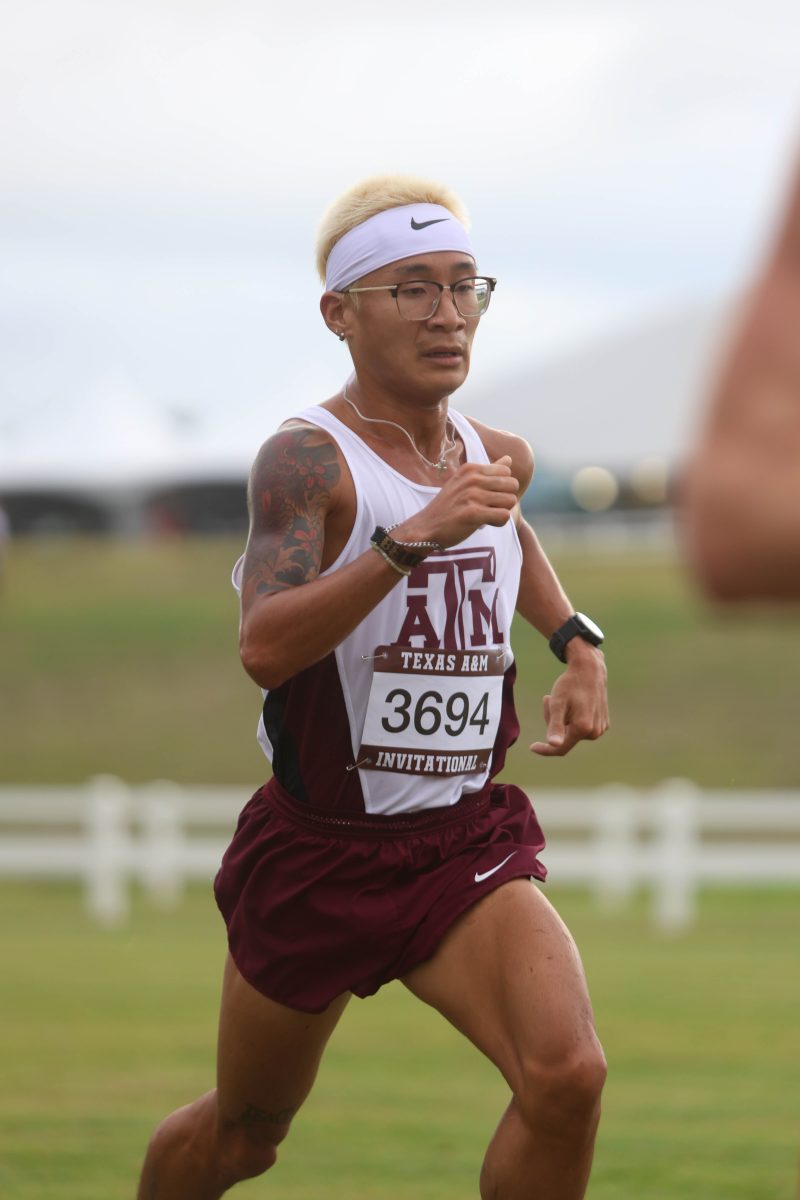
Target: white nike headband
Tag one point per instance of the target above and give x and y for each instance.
(391, 235)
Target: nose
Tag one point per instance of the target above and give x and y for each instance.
(447, 315)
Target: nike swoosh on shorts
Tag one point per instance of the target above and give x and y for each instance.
(480, 876)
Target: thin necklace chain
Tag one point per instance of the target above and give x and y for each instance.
(444, 449)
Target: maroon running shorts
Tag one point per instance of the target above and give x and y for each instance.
(317, 905)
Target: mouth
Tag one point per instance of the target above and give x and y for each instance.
(447, 355)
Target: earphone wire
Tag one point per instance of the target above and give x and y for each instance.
(444, 449)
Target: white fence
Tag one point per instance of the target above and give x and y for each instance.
(669, 840)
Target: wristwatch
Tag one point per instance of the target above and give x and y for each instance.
(578, 625)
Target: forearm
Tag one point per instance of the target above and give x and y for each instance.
(577, 704)
(287, 631)
(542, 600)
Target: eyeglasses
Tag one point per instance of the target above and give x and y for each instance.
(419, 299)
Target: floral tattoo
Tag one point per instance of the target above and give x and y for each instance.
(290, 492)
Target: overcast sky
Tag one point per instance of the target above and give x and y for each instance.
(164, 163)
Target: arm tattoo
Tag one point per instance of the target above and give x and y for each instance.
(289, 495)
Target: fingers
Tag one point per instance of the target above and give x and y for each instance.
(557, 749)
(567, 726)
(546, 750)
(556, 717)
(489, 483)
(559, 739)
(498, 472)
(486, 472)
(481, 493)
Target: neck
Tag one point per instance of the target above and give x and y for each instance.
(433, 453)
(424, 417)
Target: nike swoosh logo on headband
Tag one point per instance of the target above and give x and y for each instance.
(425, 224)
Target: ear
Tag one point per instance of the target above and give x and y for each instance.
(335, 313)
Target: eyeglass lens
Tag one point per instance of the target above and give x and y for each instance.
(418, 299)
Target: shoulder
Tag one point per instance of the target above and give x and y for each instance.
(292, 445)
(299, 458)
(498, 442)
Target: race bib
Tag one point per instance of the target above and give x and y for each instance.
(432, 712)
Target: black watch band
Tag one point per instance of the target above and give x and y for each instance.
(578, 625)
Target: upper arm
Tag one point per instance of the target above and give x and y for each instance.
(292, 488)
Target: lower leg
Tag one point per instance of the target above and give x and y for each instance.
(267, 1060)
(189, 1156)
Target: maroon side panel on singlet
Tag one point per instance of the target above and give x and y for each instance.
(508, 729)
(306, 722)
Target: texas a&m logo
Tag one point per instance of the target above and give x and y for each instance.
(452, 601)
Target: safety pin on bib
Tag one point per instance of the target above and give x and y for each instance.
(354, 766)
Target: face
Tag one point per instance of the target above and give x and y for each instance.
(429, 357)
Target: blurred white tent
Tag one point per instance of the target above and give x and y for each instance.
(112, 437)
(618, 402)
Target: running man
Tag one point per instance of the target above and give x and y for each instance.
(386, 556)
(741, 492)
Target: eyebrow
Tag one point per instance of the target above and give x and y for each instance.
(416, 269)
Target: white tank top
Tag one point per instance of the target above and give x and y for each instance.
(414, 708)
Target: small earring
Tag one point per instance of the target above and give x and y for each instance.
(340, 336)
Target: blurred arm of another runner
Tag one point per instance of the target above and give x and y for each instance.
(576, 707)
(302, 508)
(740, 497)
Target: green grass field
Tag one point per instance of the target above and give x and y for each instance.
(103, 1032)
(122, 658)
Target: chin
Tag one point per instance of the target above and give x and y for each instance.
(450, 377)
(459, 377)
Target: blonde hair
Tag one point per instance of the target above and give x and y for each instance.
(373, 195)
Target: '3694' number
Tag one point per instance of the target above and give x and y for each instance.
(431, 710)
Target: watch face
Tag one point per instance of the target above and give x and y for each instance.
(590, 626)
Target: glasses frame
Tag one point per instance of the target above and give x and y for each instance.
(394, 288)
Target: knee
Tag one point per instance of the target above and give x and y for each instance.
(565, 1088)
(245, 1150)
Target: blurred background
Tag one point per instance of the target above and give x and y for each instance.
(163, 169)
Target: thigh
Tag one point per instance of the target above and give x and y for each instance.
(267, 1054)
(509, 976)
